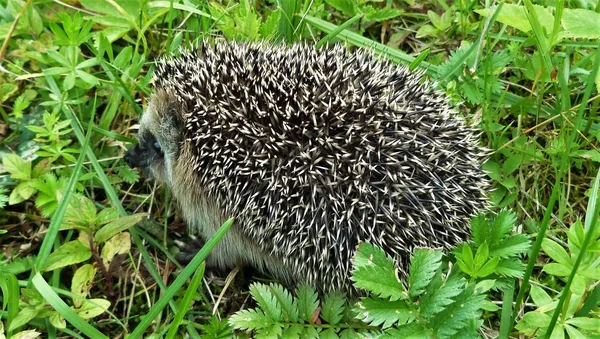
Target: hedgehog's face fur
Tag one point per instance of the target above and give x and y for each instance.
(159, 138)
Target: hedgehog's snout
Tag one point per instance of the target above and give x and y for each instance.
(133, 157)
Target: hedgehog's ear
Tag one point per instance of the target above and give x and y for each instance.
(175, 114)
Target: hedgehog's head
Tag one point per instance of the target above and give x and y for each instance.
(159, 137)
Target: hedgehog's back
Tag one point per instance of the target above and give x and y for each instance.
(315, 150)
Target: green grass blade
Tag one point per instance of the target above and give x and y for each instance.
(63, 309)
(540, 36)
(505, 318)
(179, 281)
(186, 301)
(10, 298)
(337, 31)
(288, 23)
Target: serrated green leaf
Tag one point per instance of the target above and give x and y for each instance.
(502, 225)
(307, 301)
(435, 300)
(266, 301)
(332, 308)
(368, 254)
(511, 246)
(480, 228)
(273, 331)
(453, 318)
(69, 253)
(250, 320)
(423, 265)
(408, 331)
(379, 281)
(511, 268)
(328, 334)
(292, 332)
(285, 302)
(384, 313)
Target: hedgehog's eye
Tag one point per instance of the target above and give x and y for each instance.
(156, 146)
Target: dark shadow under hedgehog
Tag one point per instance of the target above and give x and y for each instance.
(312, 151)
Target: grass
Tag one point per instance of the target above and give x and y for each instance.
(526, 73)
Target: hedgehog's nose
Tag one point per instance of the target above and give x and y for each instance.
(130, 157)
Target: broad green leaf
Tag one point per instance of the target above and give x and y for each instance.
(423, 265)
(514, 16)
(82, 282)
(559, 270)
(539, 296)
(488, 268)
(57, 320)
(556, 252)
(24, 316)
(574, 333)
(384, 313)
(117, 226)
(581, 23)
(18, 168)
(590, 324)
(69, 253)
(92, 308)
(118, 244)
(453, 318)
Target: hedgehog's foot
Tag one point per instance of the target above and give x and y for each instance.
(188, 249)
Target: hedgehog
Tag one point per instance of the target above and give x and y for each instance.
(312, 151)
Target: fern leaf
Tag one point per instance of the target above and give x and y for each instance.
(380, 281)
(250, 320)
(266, 301)
(423, 265)
(332, 308)
(286, 302)
(434, 301)
(376, 311)
(307, 302)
